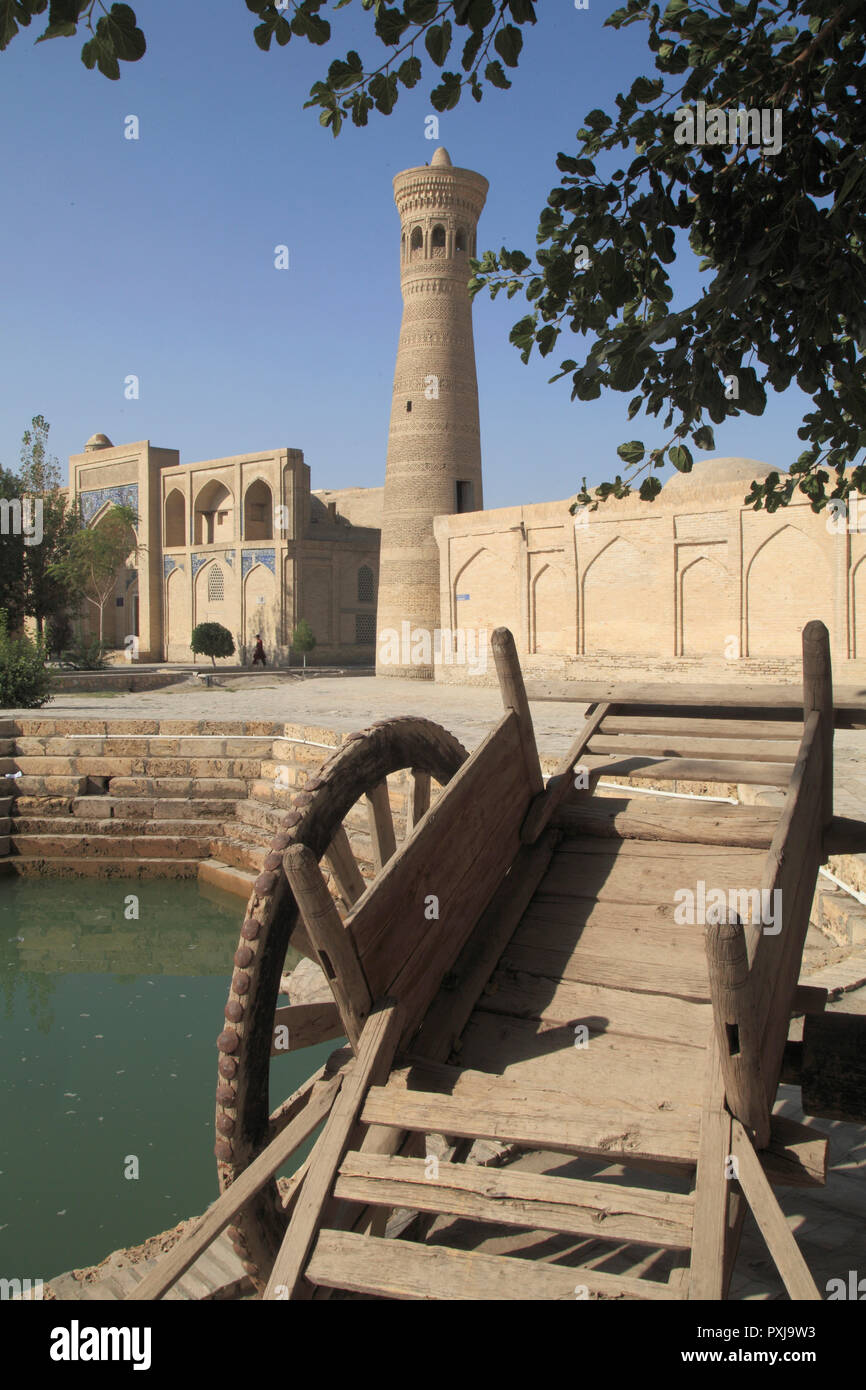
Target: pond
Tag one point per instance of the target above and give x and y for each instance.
(108, 1024)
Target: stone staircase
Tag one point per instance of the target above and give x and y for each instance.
(217, 1274)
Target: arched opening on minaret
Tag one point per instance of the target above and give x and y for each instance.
(437, 240)
(460, 240)
(416, 243)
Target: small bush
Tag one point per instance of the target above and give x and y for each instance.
(213, 640)
(87, 656)
(24, 681)
(58, 634)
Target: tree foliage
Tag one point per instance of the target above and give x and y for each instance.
(779, 236)
(24, 681)
(47, 591)
(95, 555)
(213, 640)
(12, 593)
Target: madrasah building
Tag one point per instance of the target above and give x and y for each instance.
(415, 575)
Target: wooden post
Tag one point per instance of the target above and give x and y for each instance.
(737, 1027)
(514, 698)
(818, 695)
(333, 943)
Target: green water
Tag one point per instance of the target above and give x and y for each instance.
(107, 1051)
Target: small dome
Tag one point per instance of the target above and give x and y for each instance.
(715, 473)
(98, 441)
(441, 157)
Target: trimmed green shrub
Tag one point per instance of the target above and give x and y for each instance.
(213, 640)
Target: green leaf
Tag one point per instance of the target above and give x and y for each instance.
(437, 41)
(634, 406)
(420, 11)
(649, 488)
(390, 26)
(632, 452)
(704, 438)
(508, 43)
(409, 72)
(447, 95)
(495, 74)
(262, 35)
(681, 458)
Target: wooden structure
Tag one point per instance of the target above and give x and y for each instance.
(533, 965)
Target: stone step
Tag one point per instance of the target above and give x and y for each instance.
(7, 747)
(840, 916)
(71, 827)
(5, 825)
(201, 788)
(5, 805)
(29, 866)
(225, 876)
(5, 844)
(111, 767)
(268, 819)
(65, 786)
(255, 835)
(173, 846)
(308, 755)
(160, 808)
(279, 797)
(141, 746)
(238, 854)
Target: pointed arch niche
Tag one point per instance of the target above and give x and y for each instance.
(788, 583)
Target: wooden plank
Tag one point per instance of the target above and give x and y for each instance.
(306, 1025)
(450, 1010)
(419, 799)
(535, 996)
(561, 784)
(721, 773)
(683, 746)
(375, 1054)
(514, 698)
(536, 1118)
(771, 1221)
(627, 876)
(401, 1269)
(625, 1070)
(662, 818)
(332, 942)
(508, 1197)
(381, 825)
(712, 1189)
(226, 1207)
(631, 967)
(733, 728)
(341, 862)
(389, 922)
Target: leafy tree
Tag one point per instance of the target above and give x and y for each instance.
(781, 235)
(24, 681)
(303, 639)
(213, 640)
(95, 555)
(39, 477)
(11, 554)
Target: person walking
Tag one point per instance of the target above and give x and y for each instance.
(259, 652)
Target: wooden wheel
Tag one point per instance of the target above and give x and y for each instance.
(357, 772)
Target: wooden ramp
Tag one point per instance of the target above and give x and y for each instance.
(607, 980)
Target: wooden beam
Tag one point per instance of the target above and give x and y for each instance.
(381, 824)
(307, 1025)
(561, 784)
(737, 1027)
(721, 772)
(333, 943)
(514, 698)
(771, 1220)
(712, 1185)
(375, 1055)
(341, 862)
(685, 745)
(419, 799)
(226, 1207)
(818, 695)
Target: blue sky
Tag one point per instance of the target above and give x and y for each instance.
(155, 257)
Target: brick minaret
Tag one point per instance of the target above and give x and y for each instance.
(434, 446)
